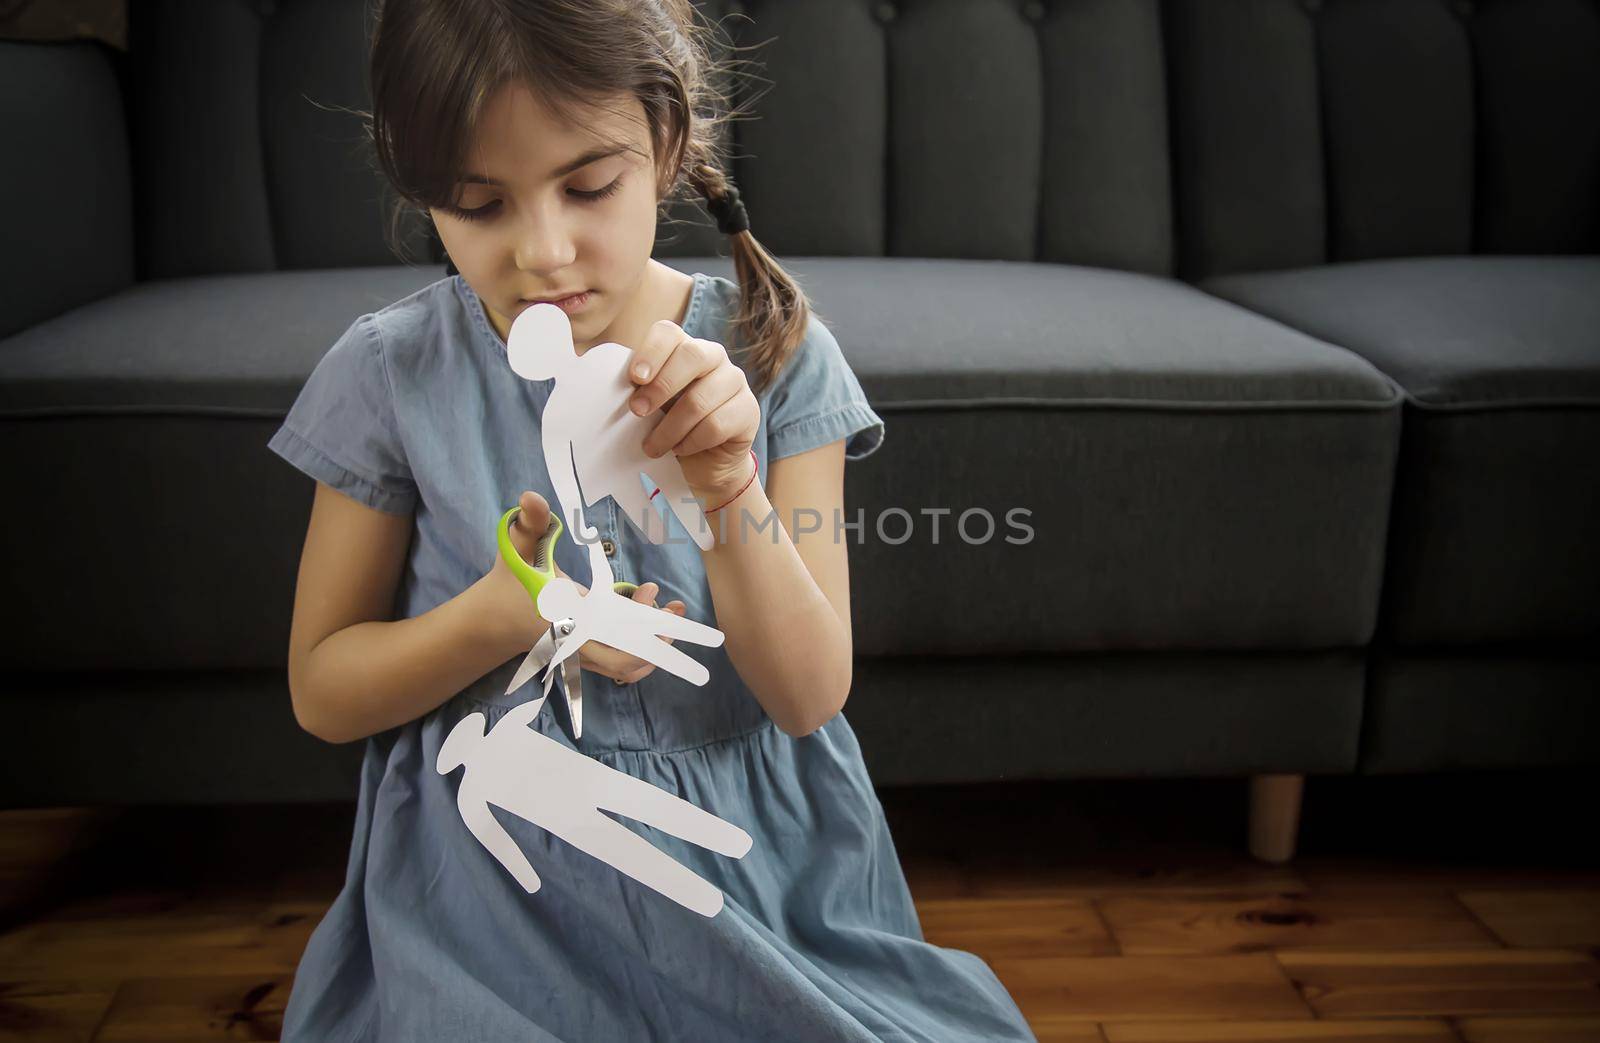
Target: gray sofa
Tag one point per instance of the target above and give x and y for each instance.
(1281, 317)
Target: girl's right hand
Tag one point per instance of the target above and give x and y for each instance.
(512, 603)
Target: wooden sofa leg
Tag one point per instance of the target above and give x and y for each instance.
(1274, 815)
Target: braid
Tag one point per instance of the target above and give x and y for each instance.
(722, 199)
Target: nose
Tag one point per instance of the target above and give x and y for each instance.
(544, 242)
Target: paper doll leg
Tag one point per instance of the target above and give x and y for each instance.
(681, 502)
(655, 651)
(673, 815)
(480, 820)
(564, 477)
(682, 628)
(635, 503)
(629, 853)
(521, 715)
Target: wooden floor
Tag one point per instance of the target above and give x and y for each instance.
(1428, 910)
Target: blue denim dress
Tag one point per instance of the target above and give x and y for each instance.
(416, 410)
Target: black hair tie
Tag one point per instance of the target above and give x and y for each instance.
(729, 211)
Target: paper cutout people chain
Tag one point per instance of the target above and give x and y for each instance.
(522, 770)
(590, 435)
(561, 790)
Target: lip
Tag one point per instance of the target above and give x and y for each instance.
(569, 304)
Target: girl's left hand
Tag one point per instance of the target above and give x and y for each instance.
(709, 415)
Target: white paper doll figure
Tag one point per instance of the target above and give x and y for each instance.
(610, 618)
(560, 790)
(591, 437)
(604, 615)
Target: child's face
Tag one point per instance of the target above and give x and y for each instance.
(541, 234)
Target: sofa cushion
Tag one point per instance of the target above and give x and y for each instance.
(1498, 496)
(1191, 469)
(209, 345)
(1454, 332)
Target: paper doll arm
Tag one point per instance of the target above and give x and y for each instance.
(558, 462)
(522, 715)
(600, 575)
(480, 820)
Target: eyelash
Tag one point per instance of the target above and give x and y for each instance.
(483, 213)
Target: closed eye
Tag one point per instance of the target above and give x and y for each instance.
(488, 210)
(600, 193)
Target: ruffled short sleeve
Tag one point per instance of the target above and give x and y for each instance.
(816, 399)
(342, 429)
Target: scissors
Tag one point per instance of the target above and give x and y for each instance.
(533, 578)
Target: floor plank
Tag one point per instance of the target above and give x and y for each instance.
(184, 942)
(1529, 1030)
(1016, 927)
(1456, 982)
(1162, 925)
(1068, 1032)
(1137, 988)
(1554, 918)
(1414, 1030)
(197, 1009)
(53, 1011)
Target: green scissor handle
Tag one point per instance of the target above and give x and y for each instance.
(533, 577)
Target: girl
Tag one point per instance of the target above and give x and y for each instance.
(543, 138)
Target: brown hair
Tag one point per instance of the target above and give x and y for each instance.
(435, 62)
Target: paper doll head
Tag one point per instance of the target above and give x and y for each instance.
(559, 599)
(540, 345)
(460, 743)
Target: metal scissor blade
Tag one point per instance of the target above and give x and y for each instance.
(572, 681)
(571, 674)
(541, 653)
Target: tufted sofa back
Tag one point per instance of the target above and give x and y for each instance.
(1195, 137)
(1309, 131)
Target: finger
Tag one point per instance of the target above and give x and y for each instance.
(637, 675)
(706, 395)
(735, 419)
(677, 608)
(534, 515)
(602, 659)
(659, 342)
(646, 594)
(689, 359)
(528, 527)
(619, 665)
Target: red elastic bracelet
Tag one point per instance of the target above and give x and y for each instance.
(755, 468)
